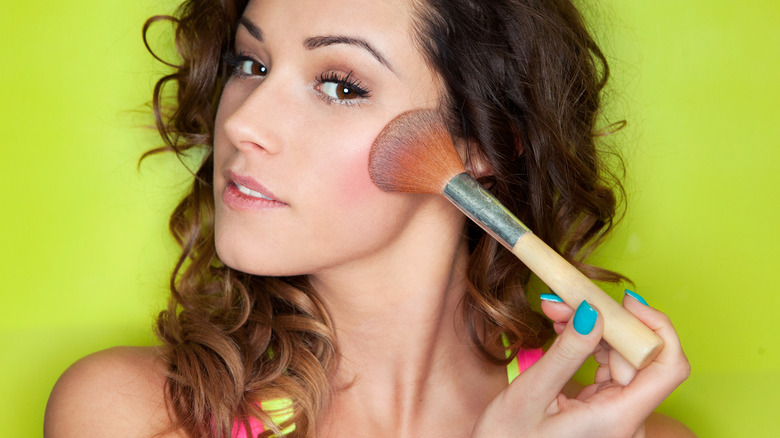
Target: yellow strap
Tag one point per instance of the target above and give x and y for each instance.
(513, 369)
(280, 410)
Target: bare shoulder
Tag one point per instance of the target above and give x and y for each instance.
(116, 392)
(661, 426)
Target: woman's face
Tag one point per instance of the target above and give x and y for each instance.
(315, 81)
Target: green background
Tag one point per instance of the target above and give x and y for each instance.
(85, 253)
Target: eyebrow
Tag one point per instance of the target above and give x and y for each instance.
(251, 28)
(324, 41)
(329, 40)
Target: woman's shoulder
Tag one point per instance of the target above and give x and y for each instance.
(659, 425)
(117, 392)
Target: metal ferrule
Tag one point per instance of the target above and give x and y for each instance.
(484, 209)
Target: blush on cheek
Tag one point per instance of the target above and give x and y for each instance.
(354, 181)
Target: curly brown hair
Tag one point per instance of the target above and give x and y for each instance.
(523, 81)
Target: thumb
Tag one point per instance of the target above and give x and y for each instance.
(548, 376)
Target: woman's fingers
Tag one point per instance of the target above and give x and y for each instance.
(620, 370)
(548, 376)
(558, 311)
(672, 354)
(619, 400)
(656, 381)
(671, 366)
(555, 309)
(526, 405)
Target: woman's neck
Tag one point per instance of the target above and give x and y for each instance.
(406, 360)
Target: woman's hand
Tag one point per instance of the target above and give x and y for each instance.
(615, 405)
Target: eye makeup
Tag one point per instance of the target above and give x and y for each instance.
(243, 65)
(335, 87)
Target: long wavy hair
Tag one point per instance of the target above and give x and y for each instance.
(523, 82)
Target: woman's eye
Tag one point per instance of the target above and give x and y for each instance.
(252, 68)
(339, 91)
(339, 88)
(244, 66)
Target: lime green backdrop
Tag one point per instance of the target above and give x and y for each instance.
(85, 253)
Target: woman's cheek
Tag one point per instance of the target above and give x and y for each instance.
(354, 182)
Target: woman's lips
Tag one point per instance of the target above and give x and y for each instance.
(245, 193)
(249, 192)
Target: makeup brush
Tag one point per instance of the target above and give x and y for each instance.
(415, 154)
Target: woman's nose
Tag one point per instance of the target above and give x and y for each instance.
(257, 121)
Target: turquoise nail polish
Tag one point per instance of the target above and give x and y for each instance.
(551, 297)
(636, 296)
(585, 318)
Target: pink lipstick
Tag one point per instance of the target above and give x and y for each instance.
(245, 193)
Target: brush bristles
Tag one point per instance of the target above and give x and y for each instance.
(414, 154)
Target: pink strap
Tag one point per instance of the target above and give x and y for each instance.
(526, 358)
(254, 424)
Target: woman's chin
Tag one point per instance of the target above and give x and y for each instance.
(260, 266)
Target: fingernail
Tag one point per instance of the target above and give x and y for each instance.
(636, 296)
(585, 318)
(551, 298)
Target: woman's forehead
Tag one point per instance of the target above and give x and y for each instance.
(370, 16)
(386, 28)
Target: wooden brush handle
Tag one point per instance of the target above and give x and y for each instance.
(630, 337)
(626, 334)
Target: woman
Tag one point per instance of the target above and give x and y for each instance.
(309, 302)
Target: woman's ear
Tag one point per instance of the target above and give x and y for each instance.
(477, 165)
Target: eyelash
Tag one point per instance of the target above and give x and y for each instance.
(361, 92)
(236, 60)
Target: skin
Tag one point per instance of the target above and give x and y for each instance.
(618, 404)
(354, 240)
(312, 152)
(390, 267)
